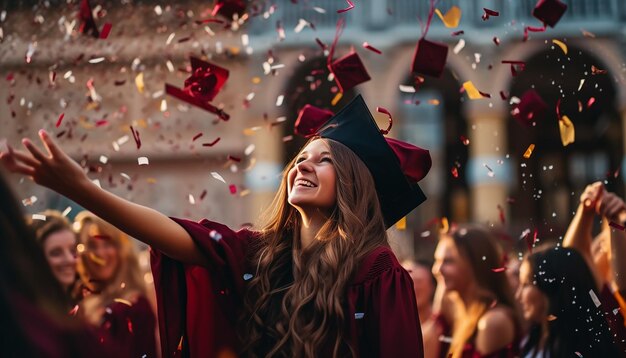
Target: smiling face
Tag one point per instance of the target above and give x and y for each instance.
(101, 256)
(451, 266)
(534, 303)
(311, 182)
(60, 250)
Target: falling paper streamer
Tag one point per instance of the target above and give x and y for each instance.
(471, 90)
(561, 45)
(139, 82)
(451, 18)
(529, 151)
(218, 177)
(566, 127)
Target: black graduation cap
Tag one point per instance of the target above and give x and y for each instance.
(396, 166)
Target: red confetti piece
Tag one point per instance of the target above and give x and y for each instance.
(136, 137)
(203, 194)
(321, 44)
(455, 172)
(597, 71)
(130, 325)
(60, 120)
(591, 101)
(60, 134)
(73, 311)
(212, 143)
(234, 159)
(457, 33)
(496, 41)
(616, 226)
(196, 137)
(101, 123)
(499, 269)
(503, 95)
(119, 82)
(528, 29)
(516, 66)
(487, 13)
(385, 111)
(100, 237)
(232, 188)
(350, 7)
(106, 29)
(465, 140)
(205, 21)
(372, 48)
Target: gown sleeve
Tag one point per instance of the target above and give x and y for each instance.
(198, 307)
(391, 326)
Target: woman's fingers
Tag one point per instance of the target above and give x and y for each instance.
(25, 158)
(52, 148)
(37, 154)
(9, 162)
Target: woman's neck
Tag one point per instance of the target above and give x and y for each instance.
(308, 230)
(425, 312)
(468, 295)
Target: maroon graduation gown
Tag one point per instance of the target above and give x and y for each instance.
(198, 306)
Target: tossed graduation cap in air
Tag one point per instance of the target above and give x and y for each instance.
(396, 166)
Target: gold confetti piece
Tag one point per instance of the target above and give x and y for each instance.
(139, 82)
(445, 226)
(337, 98)
(551, 317)
(451, 18)
(529, 151)
(244, 192)
(434, 102)
(151, 180)
(121, 300)
(97, 260)
(401, 225)
(471, 90)
(566, 127)
(561, 45)
(256, 80)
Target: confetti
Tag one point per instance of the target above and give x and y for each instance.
(192, 201)
(106, 29)
(371, 48)
(597, 71)
(464, 140)
(350, 7)
(566, 128)
(196, 137)
(247, 276)
(472, 92)
(487, 13)
(490, 172)
(218, 177)
(123, 301)
(561, 45)
(359, 315)
(336, 99)
(529, 151)
(66, 211)
(139, 82)
(59, 120)
(136, 137)
(452, 17)
(143, 161)
(616, 226)
(39, 217)
(499, 269)
(212, 143)
(594, 298)
(232, 188)
(459, 46)
(407, 89)
(29, 201)
(516, 66)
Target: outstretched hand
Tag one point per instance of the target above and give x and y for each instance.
(54, 169)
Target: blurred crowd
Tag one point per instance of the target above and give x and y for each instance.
(78, 289)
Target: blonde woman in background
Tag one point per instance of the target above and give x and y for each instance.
(57, 240)
(117, 301)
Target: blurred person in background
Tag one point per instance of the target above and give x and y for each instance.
(57, 239)
(109, 267)
(33, 305)
(604, 254)
(424, 285)
(557, 295)
(468, 261)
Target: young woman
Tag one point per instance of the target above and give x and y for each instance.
(558, 296)
(317, 279)
(485, 324)
(33, 307)
(58, 241)
(110, 269)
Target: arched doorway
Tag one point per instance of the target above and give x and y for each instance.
(551, 180)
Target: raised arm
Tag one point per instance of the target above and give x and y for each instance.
(57, 171)
(578, 235)
(613, 209)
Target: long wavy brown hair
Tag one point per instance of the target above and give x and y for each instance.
(480, 248)
(294, 305)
